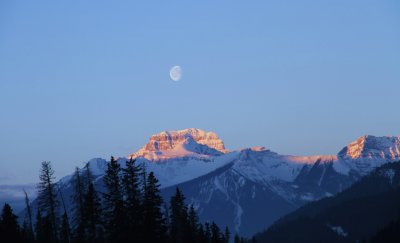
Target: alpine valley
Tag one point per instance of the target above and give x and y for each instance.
(248, 189)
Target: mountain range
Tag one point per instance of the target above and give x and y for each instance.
(247, 189)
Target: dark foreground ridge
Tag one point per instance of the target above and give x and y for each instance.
(368, 211)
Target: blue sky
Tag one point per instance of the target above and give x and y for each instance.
(84, 79)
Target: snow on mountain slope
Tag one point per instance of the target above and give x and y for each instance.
(174, 171)
(230, 199)
(367, 153)
(260, 165)
(175, 156)
(259, 186)
(179, 156)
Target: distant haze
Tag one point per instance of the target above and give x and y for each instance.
(87, 79)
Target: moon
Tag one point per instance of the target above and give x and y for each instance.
(175, 73)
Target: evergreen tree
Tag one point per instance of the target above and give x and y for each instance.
(201, 236)
(179, 223)
(25, 233)
(132, 213)
(236, 239)
(115, 215)
(215, 233)
(92, 214)
(44, 230)
(207, 232)
(144, 180)
(154, 227)
(65, 230)
(193, 224)
(227, 234)
(65, 233)
(47, 197)
(9, 226)
(166, 215)
(28, 222)
(77, 209)
(87, 210)
(39, 227)
(132, 192)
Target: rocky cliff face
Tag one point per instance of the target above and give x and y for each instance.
(181, 143)
(371, 147)
(367, 153)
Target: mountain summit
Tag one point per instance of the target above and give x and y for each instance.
(369, 152)
(373, 148)
(182, 143)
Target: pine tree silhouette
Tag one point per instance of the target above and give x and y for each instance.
(28, 222)
(193, 224)
(179, 222)
(92, 214)
(44, 230)
(227, 235)
(65, 229)
(132, 192)
(10, 231)
(47, 197)
(130, 210)
(215, 233)
(115, 214)
(154, 226)
(78, 224)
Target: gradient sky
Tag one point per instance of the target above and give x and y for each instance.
(85, 79)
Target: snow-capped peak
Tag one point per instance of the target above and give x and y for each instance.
(371, 147)
(367, 153)
(187, 142)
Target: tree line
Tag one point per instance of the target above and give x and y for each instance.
(130, 209)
